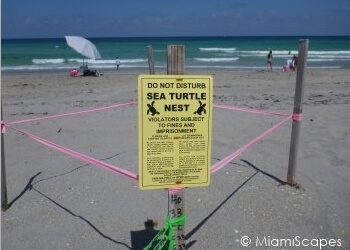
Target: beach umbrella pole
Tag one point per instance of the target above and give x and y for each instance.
(176, 208)
(297, 111)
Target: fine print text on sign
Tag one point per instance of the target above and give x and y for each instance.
(175, 118)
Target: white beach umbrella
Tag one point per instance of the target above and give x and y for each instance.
(83, 46)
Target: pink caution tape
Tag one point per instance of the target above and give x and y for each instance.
(217, 166)
(297, 117)
(80, 156)
(243, 109)
(220, 164)
(73, 113)
(175, 190)
(249, 110)
(3, 127)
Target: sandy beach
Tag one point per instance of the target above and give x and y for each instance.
(58, 202)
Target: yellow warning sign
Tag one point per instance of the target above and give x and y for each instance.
(175, 120)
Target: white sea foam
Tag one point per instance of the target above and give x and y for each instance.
(313, 56)
(327, 59)
(337, 52)
(331, 56)
(48, 61)
(107, 61)
(293, 52)
(133, 60)
(218, 49)
(226, 58)
(221, 59)
(36, 67)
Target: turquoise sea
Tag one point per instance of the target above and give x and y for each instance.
(23, 55)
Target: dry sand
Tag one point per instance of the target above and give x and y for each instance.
(57, 202)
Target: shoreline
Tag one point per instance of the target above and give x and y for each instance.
(162, 69)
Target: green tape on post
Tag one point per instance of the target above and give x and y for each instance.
(166, 234)
(179, 221)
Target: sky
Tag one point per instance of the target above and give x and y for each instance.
(158, 18)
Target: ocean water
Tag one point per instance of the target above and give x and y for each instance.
(201, 53)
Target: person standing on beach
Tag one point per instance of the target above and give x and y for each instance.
(117, 61)
(295, 62)
(269, 60)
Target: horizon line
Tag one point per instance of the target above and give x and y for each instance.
(184, 36)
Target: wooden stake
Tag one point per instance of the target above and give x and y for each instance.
(176, 208)
(176, 59)
(297, 111)
(4, 201)
(175, 66)
(150, 59)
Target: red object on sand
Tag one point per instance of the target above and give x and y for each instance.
(74, 73)
(286, 68)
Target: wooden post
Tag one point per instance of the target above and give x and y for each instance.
(176, 59)
(297, 111)
(175, 66)
(176, 207)
(4, 202)
(150, 59)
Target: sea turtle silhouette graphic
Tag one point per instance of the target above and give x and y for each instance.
(152, 109)
(200, 109)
